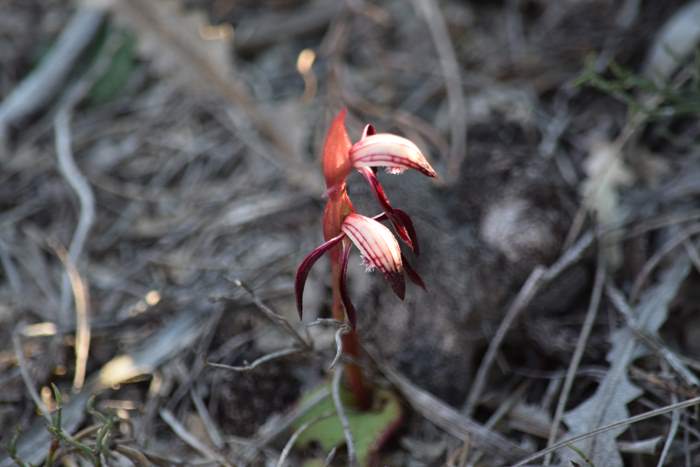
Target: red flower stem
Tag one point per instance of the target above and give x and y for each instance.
(351, 346)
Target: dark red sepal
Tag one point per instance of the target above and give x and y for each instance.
(400, 217)
(397, 282)
(344, 295)
(368, 131)
(411, 273)
(305, 267)
(402, 223)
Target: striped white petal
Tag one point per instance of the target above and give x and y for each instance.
(390, 151)
(378, 246)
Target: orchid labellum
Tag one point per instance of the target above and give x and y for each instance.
(343, 227)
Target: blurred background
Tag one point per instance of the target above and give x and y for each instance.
(160, 182)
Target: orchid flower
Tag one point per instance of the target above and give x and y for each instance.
(343, 227)
(373, 150)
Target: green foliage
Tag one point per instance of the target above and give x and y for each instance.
(93, 445)
(122, 63)
(629, 87)
(12, 450)
(368, 428)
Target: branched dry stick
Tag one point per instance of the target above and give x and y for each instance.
(343, 328)
(539, 277)
(339, 345)
(453, 83)
(259, 361)
(591, 314)
(273, 316)
(340, 410)
(611, 426)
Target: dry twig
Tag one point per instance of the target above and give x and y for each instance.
(259, 361)
(275, 317)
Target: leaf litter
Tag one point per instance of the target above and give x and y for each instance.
(202, 156)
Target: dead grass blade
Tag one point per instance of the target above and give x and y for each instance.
(624, 423)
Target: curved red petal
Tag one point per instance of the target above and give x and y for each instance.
(305, 267)
(347, 303)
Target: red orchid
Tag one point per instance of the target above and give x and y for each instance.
(343, 227)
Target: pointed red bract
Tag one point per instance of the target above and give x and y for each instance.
(305, 267)
(336, 154)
